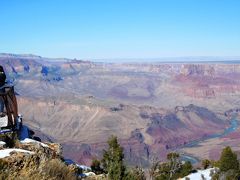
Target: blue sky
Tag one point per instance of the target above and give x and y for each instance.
(105, 29)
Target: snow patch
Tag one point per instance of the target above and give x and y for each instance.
(90, 174)
(87, 174)
(6, 152)
(198, 175)
(28, 140)
(85, 168)
(2, 143)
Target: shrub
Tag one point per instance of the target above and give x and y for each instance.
(185, 169)
(3, 165)
(11, 139)
(56, 169)
(96, 166)
(206, 163)
(135, 174)
(173, 169)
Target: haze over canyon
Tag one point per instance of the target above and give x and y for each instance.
(153, 108)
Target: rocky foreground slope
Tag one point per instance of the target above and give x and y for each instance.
(30, 159)
(152, 108)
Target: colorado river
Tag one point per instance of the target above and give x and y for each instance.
(233, 126)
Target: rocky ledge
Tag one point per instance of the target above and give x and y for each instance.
(31, 159)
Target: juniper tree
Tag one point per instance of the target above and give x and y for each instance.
(228, 160)
(113, 160)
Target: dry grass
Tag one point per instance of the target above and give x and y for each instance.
(56, 169)
(35, 168)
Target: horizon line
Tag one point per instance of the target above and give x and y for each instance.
(164, 59)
